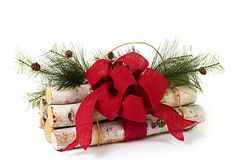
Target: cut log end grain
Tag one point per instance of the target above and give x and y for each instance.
(51, 116)
(43, 108)
(47, 131)
(48, 95)
(41, 104)
(42, 123)
(42, 111)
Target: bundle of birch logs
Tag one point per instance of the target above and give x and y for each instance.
(58, 110)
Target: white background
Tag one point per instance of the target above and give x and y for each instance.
(33, 26)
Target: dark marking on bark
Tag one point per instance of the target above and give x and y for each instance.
(158, 123)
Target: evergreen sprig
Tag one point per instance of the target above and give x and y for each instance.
(24, 63)
(35, 96)
(56, 69)
(64, 73)
(181, 67)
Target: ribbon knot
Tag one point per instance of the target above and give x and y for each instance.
(130, 89)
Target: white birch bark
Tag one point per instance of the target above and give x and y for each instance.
(187, 96)
(77, 94)
(68, 96)
(113, 131)
(64, 115)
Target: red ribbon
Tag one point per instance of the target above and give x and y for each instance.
(131, 90)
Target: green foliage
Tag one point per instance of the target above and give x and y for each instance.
(35, 96)
(78, 55)
(24, 63)
(181, 67)
(64, 73)
(56, 69)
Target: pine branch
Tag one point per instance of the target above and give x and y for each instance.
(56, 69)
(182, 68)
(35, 96)
(24, 62)
(65, 73)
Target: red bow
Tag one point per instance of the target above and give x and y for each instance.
(131, 90)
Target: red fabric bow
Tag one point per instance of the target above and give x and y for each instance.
(131, 90)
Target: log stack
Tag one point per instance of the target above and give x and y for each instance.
(57, 112)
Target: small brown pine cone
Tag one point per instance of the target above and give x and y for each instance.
(202, 71)
(35, 66)
(68, 54)
(110, 55)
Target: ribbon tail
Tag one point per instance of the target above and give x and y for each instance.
(173, 120)
(84, 123)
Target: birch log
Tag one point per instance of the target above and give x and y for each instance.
(64, 115)
(75, 95)
(113, 131)
(187, 96)
(68, 96)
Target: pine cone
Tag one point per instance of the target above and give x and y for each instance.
(68, 54)
(35, 66)
(110, 55)
(202, 70)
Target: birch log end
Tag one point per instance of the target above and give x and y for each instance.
(113, 131)
(42, 106)
(47, 131)
(42, 123)
(42, 111)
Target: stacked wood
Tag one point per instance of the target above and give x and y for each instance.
(64, 115)
(58, 98)
(113, 131)
(58, 110)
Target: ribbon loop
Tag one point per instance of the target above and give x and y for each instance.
(122, 78)
(135, 61)
(109, 101)
(153, 85)
(99, 71)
